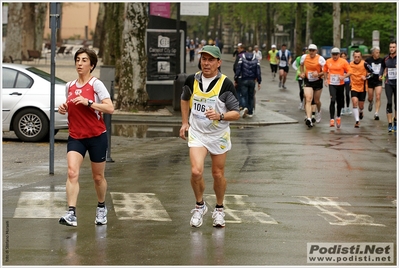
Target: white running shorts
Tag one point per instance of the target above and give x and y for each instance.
(216, 144)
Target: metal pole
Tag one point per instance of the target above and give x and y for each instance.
(108, 120)
(178, 40)
(54, 16)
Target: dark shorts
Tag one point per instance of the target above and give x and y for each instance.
(373, 83)
(97, 147)
(316, 85)
(361, 96)
(284, 68)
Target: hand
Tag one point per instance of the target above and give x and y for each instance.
(63, 108)
(258, 86)
(80, 100)
(183, 130)
(211, 114)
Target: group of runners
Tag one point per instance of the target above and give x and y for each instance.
(346, 80)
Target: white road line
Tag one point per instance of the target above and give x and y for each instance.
(334, 214)
(139, 206)
(242, 212)
(40, 205)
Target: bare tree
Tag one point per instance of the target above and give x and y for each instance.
(40, 20)
(298, 29)
(336, 24)
(99, 32)
(132, 87)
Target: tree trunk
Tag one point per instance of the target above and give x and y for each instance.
(40, 18)
(336, 24)
(28, 36)
(14, 31)
(298, 30)
(132, 88)
(309, 16)
(99, 32)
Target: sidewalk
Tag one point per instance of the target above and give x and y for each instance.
(166, 115)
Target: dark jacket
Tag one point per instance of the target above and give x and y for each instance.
(248, 68)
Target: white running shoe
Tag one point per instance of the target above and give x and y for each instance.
(348, 111)
(69, 219)
(218, 217)
(343, 111)
(199, 212)
(101, 216)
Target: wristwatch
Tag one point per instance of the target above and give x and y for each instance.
(89, 103)
(221, 117)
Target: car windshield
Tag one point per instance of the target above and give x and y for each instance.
(45, 75)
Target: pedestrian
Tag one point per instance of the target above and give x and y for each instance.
(312, 72)
(191, 48)
(296, 65)
(284, 60)
(208, 102)
(271, 57)
(359, 73)
(87, 99)
(335, 71)
(389, 72)
(257, 53)
(374, 83)
(248, 72)
(347, 86)
(240, 51)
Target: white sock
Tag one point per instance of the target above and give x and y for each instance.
(355, 112)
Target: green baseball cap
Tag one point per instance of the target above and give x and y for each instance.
(214, 51)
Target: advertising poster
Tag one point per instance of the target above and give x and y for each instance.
(161, 53)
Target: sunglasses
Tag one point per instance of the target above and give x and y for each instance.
(334, 53)
(312, 49)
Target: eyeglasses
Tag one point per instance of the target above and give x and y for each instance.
(335, 54)
(312, 49)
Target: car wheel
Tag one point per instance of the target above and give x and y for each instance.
(31, 125)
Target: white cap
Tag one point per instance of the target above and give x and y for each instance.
(312, 46)
(239, 44)
(335, 50)
(273, 46)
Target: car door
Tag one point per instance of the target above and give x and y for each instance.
(15, 85)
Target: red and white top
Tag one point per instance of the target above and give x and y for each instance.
(84, 121)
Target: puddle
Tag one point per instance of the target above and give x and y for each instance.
(145, 131)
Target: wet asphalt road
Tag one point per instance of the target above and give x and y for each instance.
(287, 186)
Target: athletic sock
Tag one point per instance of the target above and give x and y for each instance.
(355, 112)
(219, 206)
(200, 203)
(71, 208)
(101, 204)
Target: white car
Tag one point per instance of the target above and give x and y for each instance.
(25, 96)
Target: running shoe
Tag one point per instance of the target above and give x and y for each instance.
(361, 115)
(69, 219)
(357, 124)
(338, 122)
(376, 117)
(199, 212)
(371, 106)
(390, 128)
(394, 126)
(343, 111)
(244, 112)
(318, 117)
(284, 87)
(308, 122)
(332, 123)
(313, 119)
(101, 216)
(250, 115)
(348, 111)
(279, 84)
(218, 217)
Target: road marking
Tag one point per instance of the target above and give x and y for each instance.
(335, 214)
(138, 206)
(243, 213)
(40, 205)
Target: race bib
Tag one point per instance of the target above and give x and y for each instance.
(283, 63)
(391, 73)
(201, 105)
(334, 79)
(311, 78)
(376, 68)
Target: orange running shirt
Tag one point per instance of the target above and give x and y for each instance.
(311, 65)
(357, 72)
(335, 69)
